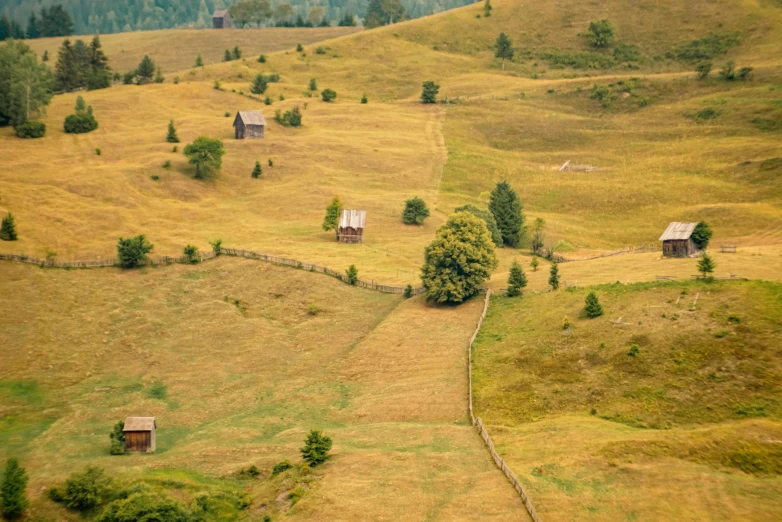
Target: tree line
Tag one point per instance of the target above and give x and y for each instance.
(114, 16)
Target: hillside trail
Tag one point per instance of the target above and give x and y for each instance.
(406, 445)
(438, 149)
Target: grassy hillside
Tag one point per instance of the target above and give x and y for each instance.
(667, 407)
(658, 159)
(176, 49)
(236, 367)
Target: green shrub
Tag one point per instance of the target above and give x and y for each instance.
(408, 292)
(722, 333)
(148, 507)
(167, 164)
(8, 228)
(281, 466)
(320, 50)
(13, 499)
(600, 33)
(706, 47)
(316, 448)
(31, 130)
(626, 53)
(270, 162)
(313, 309)
(592, 306)
(117, 437)
(299, 48)
(80, 123)
(262, 58)
(429, 92)
(328, 95)
(709, 113)
(603, 94)
(488, 218)
(191, 253)
(55, 495)
(364, 98)
(415, 211)
(216, 245)
(87, 489)
(131, 252)
(291, 118)
(703, 69)
(579, 60)
(634, 351)
(553, 278)
(352, 274)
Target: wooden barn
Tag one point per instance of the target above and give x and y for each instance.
(249, 124)
(677, 240)
(221, 19)
(140, 434)
(351, 226)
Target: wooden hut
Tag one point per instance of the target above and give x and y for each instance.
(249, 124)
(351, 226)
(677, 240)
(140, 434)
(221, 19)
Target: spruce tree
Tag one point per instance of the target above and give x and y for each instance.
(316, 448)
(171, 136)
(333, 211)
(257, 171)
(146, 70)
(507, 209)
(199, 61)
(706, 265)
(592, 306)
(516, 280)
(351, 274)
(259, 85)
(553, 278)
(313, 84)
(227, 56)
(45, 56)
(487, 8)
(8, 228)
(534, 263)
(237, 53)
(13, 499)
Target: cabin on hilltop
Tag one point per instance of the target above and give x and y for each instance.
(351, 226)
(677, 240)
(140, 434)
(221, 19)
(249, 124)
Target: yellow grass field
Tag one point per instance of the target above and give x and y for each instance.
(238, 384)
(685, 428)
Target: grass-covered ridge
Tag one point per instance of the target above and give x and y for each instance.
(680, 376)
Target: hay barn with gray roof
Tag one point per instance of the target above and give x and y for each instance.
(677, 240)
(249, 125)
(221, 19)
(140, 434)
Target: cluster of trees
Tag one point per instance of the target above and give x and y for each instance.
(25, 89)
(53, 21)
(114, 16)
(82, 66)
(82, 120)
(291, 118)
(145, 73)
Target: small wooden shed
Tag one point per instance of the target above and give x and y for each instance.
(140, 434)
(249, 124)
(221, 19)
(677, 240)
(351, 226)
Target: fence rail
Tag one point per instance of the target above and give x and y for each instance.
(203, 256)
(476, 421)
(627, 250)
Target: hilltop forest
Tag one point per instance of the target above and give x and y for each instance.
(114, 16)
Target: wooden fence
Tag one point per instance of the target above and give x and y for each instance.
(627, 250)
(476, 421)
(203, 256)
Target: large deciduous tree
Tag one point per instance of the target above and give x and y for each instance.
(206, 154)
(384, 12)
(461, 257)
(25, 85)
(503, 49)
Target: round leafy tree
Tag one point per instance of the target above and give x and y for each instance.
(600, 33)
(460, 258)
(328, 95)
(206, 154)
(415, 211)
(488, 218)
(701, 235)
(131, 252)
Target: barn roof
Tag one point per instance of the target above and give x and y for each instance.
(677, 230)
(139, 424)
(222, 13)
(250, 118)
(353, 219)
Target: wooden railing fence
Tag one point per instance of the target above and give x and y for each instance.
(203, 256)
(476, 421)
(627, 250)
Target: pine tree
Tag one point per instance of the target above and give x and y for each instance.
(706, 265)
(487, 8)
(146, 70)
(553, 278)
(227, 56)
(199, 61)
(257, 171)
(507, 209)
(33, 26)
(316, 448)
(504, 49)
(592, 306)
(171, 136)
(517, 280)
(99, 74)
(313, 84)
(8, 228)
(333, 211)
(237, 53)
(534, 263)
(13, 499)
(259, 85)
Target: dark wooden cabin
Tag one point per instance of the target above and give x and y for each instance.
(677, 240)
(140, 434)
(351, 226)
(249, 124)
(221, 19)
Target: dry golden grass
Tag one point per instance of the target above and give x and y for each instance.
(176, 49)
(241, 384)
(683, 430)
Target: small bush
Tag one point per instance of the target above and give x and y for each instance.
(80, 123)
(429, 92)
(281, 466)
(316, 448)
(87, 489)
(174, 148)
(31, 130)
(352, 274)
(722, 333)
(328, 95)
(634, 351)
(131, 252)
(709, 113)
(312, 310)
(703, 69)
(299, 48)
(600, 33)
(320, 50)
(408, 293)
(167, 164)
(176, 80)
(271, 163)
(227, 114)
(364, 98)
(146, 506)
(55, 495)
(262, 58)
(216, 245)
(626, 53)
(97, 151)
(267, 101)
(191, 253)
(216, 86)
(735, 319)
(291, 118)
(581, 60)
(415, 211)
(706, 47)
(257, 171)
(154, 177)
(566, 323)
